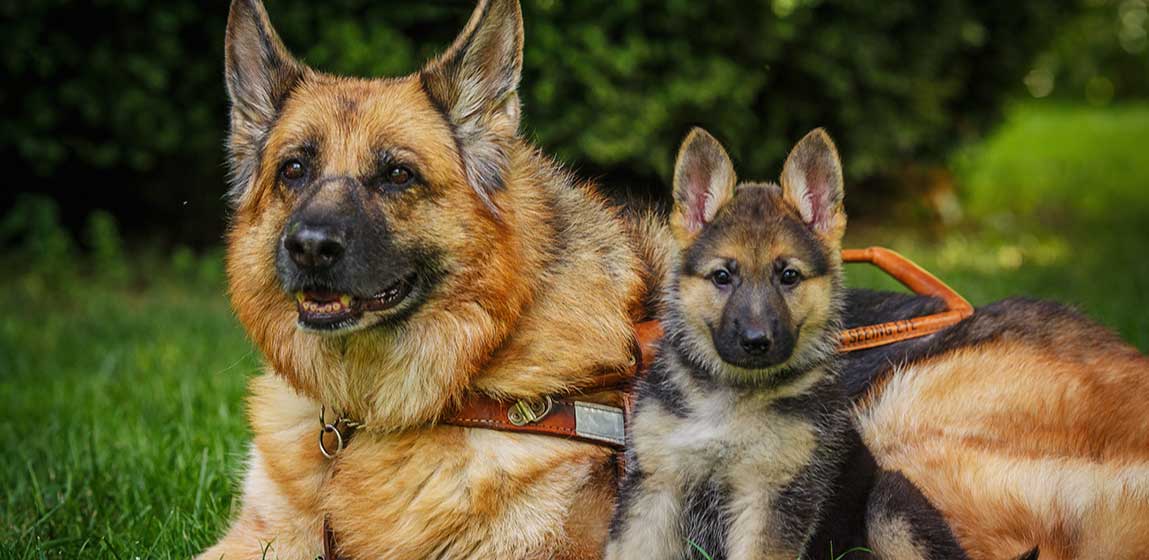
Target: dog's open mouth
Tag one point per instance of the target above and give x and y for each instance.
(330, 311)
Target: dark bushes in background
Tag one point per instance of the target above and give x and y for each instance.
(119, 104)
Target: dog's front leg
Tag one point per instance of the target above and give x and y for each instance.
(268, 525)
(280, 516)
(649, 525)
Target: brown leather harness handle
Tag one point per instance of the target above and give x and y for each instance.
(918, 280)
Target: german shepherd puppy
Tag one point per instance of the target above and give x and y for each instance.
(396, 246)
(743, 444)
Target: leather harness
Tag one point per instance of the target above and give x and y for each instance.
(570, 418)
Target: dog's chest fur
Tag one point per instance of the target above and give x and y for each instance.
(725, 434)
(742, 473)
(442, 492)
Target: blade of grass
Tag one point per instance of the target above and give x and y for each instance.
(855, 549)
(700, 550)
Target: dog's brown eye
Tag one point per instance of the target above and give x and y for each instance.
(721, 277)
(790, 277)
(293, 170)
(398, 176)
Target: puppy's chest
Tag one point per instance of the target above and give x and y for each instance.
(728, 440)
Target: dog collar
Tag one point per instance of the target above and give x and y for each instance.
(571, 417)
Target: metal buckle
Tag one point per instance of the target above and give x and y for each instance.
(525, 411)
(332, 427)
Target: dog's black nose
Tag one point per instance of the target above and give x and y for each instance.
(755, 341)
(314, 248)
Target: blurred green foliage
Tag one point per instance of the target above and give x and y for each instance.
(618, 83)
(1101, 54)
(130, 92)
(32, 228)
(1063, 166)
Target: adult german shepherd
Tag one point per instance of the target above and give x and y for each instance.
(396, 247)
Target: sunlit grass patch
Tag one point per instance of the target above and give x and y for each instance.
(1062, 163)
(1103, 274)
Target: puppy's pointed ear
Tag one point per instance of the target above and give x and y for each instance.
(260, 73)
(475, 82)
(704, 180)
(812, 183)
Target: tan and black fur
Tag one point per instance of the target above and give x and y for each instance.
(743, 442)
(1023, 425)
(395, 247)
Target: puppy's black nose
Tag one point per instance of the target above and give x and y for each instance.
(755, 341)
(314, 248)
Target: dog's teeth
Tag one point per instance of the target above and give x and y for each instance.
(299, 297)
(345, 300)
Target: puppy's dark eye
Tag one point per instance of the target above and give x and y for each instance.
(293, 170)
(398, 176)
(721, 277)
(790, 277)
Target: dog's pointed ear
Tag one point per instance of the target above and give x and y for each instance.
(704, 180)
(812, 183)
(260, 73)
(475, 83)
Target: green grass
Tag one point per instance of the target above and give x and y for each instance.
(1063, 165)
(1057, 207)
(122, 427)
